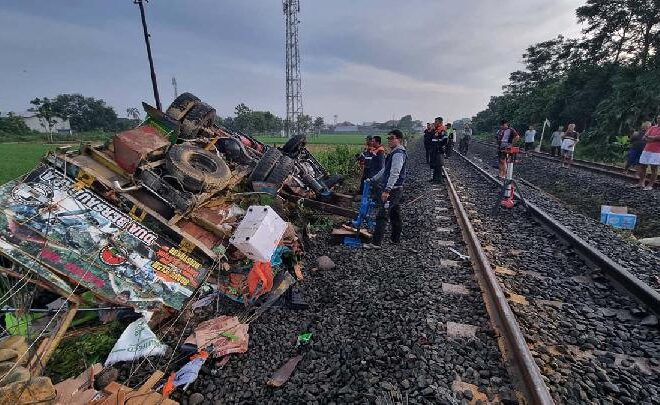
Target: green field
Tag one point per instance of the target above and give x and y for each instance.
(17, 159)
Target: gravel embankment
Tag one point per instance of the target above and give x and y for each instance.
(575, 196)
(379, 325)
(592, 343)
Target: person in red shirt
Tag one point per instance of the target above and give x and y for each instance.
(650, 156)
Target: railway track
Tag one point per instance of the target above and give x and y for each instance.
(596, 167)
(592, 340)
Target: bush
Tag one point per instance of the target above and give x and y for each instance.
(340, 160)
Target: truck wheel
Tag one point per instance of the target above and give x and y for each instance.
(293, 146)
(181, 105)
(200, 116)
(197, 169)
(265, 165)
(281, 171)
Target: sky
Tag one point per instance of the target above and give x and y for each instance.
(363, 60)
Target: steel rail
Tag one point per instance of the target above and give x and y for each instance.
(595, 167)
(634, 286)
(530, 380)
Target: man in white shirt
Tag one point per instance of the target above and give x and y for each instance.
(529, 138)
(555, 141)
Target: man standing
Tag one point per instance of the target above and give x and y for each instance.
(390, 179)
(555, 141)
(465, 140)
(506, 137)
(439, 144)
(529, 138)
(364, 159)
(378, 157)
(451, 139)
(428, 134)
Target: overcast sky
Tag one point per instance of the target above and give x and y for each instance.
(363, 60)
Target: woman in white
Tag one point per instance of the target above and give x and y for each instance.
(569, 139)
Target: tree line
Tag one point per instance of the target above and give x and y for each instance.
(606, 81)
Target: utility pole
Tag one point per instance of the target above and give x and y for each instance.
(294, 107)
(140, 3)
(176, 93)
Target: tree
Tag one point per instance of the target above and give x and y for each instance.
(13, 124)
(304, 123)
(85, 113)
(133, 113)
(45, 111)
(243, 117)
(318, 124)
(406, 123)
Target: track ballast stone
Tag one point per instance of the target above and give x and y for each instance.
(591, 342)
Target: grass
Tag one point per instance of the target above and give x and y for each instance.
(17, 159)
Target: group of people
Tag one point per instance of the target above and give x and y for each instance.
(644, 153)
(387, 173)
(439, 141)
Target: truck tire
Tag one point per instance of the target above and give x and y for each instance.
(293, 146)
(281, 171)
(181, 105)
(265, 165)
(200, 116)
(197, 169)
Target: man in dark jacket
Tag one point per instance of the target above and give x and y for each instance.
(438, 149)
(428, 134)
(390, 179)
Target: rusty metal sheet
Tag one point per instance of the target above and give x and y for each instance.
(133, 146)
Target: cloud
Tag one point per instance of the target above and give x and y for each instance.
(364, 60)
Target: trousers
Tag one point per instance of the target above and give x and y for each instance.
(393, 214)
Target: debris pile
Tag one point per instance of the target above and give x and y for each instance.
(174, 215)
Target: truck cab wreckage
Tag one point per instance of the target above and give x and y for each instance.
(148, 218)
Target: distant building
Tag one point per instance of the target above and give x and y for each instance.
(38, 124)
(346, 127)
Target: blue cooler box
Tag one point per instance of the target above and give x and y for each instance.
(617, 217)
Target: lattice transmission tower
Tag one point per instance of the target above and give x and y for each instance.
(294, 105)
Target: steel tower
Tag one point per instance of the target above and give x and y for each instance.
(294, 106)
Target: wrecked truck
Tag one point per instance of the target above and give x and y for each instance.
(141, 220)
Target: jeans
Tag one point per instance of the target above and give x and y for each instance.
(393, 213)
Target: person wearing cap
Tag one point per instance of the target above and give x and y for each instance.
(390, 179)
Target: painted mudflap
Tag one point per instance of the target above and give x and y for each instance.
(58, 227)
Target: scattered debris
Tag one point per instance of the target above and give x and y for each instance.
(617, 217)
(224, 334)
(137, 341)
(187, 374)
(283, 374)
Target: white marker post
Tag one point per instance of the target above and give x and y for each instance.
(538, 147)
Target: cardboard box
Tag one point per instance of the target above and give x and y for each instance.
(259, 233)
(617, 217)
